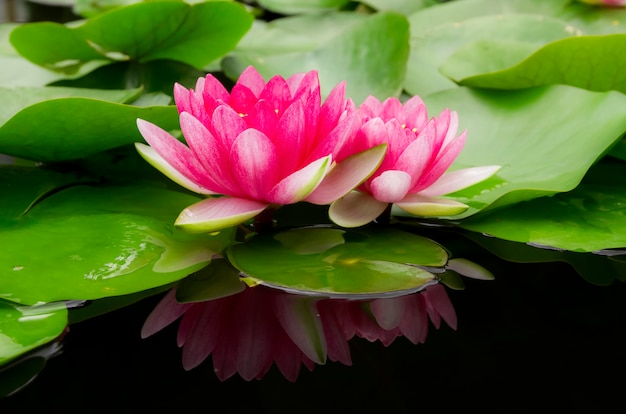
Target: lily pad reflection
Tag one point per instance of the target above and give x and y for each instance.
(332, 262)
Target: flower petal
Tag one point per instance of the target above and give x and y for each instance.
(166, 312)
(149, 154)
(420, 205)
(356, 209)
(445, 158)
(390, 186)
(253, 161)
(299, 318)
(459, 179)
(214, 214)
(210, 153)
(437, 300)
(388, 312)
(347, 175)
(300, 184)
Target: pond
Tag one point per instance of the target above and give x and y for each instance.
(182, 227)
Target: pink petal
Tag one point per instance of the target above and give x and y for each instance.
(204, 334)
(292, 148)
(214, 88)
(414, 325)
(459, 179)
(418, 155)
(254, 161)
(420, 205)
(214, 214)
(227, 125)
(300, 184)
(166, 312)
(441, 164)
(174, 154)
(392, 109)
(331, 109)
(437, 298)
(390, 186)
(252, 79)
(388, 312)
(153, 158)
(299, 318)
(242, 99)
(347, 175)
(277, 93)
(356, 209)
(211, 154)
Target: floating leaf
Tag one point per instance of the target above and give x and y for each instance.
(571, 128)
(590, 62)
(219, 279)
(24, 328)
(70, 128)
(339, 263)
(193, 34)
(431, 48)
(88, 242)
(368, 52)
(302, 6)
(589, 218)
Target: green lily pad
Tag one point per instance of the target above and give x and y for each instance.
(193, 34)
(590, 62)
(589, 218)
(94, 242)
(368, 52)
(600, 270)
(219, 279)
(339, 263)
(432, 48)
(70, 128)
(302, 6)
(545, 138)
(24, 328)
(17, 71)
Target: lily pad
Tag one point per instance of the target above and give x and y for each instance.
(432, 48)
(24, 328)
(590, 62)
(302, 6)
(70, 128)
(544, 138)
(193, 34)
(589, 218)
(87, 242)
(331, 262)
(368, 52)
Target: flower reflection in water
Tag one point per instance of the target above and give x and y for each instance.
(249, 331)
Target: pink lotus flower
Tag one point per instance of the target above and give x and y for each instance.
(261, 145)
(246, 333)
(412, 174)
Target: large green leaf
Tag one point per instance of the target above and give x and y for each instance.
(17, 71)
(193, 34)
(591, 62)
(589, 218)
(17, 99)
(523, 34)
(69, 128)
(87, 242)
(24, 328)
(302, 6)
(368, 52)
(339, 263)
(544, 138)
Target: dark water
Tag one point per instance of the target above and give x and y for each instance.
(538, 337)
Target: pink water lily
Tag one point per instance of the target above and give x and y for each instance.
(248, 332)
(413, 174)
(263, 144)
